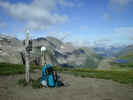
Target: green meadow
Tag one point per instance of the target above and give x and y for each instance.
(118, 75)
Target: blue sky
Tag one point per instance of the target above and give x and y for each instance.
(82, 22)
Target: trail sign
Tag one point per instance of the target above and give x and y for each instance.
(28, 48)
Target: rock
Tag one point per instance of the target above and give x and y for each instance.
(58, 53)
(10, 49)
(105, 64)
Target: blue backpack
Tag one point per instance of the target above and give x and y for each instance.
(50, 77)
(47, 75)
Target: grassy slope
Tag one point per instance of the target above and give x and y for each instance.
(125, 77)
(127, 56)
(12, 69)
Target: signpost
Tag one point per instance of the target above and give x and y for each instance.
(28, 48)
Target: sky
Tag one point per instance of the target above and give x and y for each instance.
(82, 22)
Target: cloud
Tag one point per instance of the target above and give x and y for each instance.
(84, 27)
(116, 6)
(39, 14)
(126, 31)
(80, 4)
(3, 25)
(130, 37)
(102, 41)
(107, 17)
(81, 43)
(119, 3)
(69, 4)
(60, 35)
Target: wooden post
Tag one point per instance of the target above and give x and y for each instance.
(27, 62)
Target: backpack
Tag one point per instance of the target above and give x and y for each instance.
(50, 77)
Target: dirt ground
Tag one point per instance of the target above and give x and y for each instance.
(78, 89)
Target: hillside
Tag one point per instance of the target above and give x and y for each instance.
(125, 57)
(58, 53)
(109, 51)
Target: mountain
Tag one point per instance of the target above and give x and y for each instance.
(110, 51)
(105, 64)
(126, 53)
(58, 53)
(10, 48)
(124, 58)
(64, 54)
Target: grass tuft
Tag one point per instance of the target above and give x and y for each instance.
(36, 84)
(22, 82)
(12, 69)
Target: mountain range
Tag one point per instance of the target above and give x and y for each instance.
(111, 51)
(59, 53)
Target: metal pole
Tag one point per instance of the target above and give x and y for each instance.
(43, 54)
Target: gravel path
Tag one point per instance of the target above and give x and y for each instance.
(78, 89)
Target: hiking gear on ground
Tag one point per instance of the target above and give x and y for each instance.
(44, 83)
(50, 76)
(50, 80)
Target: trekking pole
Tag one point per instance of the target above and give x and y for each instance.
(43, 50)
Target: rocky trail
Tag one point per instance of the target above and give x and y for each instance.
(78, 89)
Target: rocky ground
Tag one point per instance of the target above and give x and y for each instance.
(76, 88)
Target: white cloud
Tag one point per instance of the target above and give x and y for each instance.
(84, 27)
(40, 14)
(107, 16)
(81, 43)
(117, 6)
(119, 3)
(3, 25)
(80, 4)
(60, 35)
(104, 41)
(126, 31)
(70, 4)
(117, 37)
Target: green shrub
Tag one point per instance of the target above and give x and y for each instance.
(22, 82)
(36, 84)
